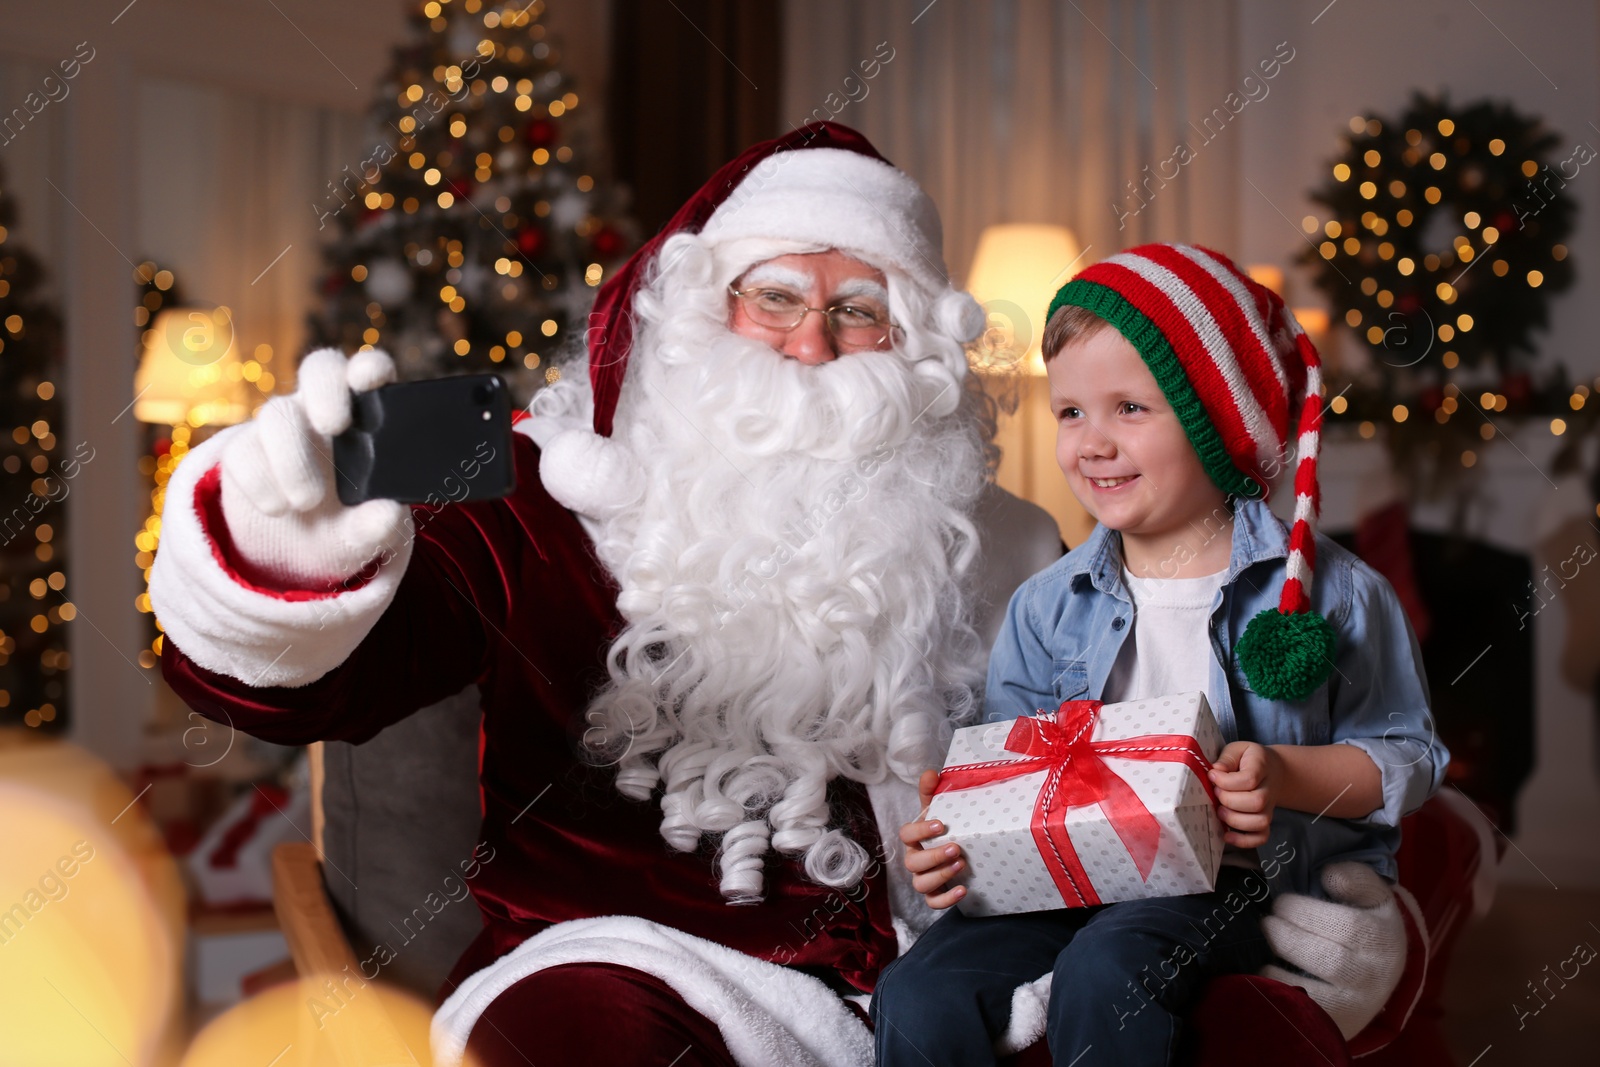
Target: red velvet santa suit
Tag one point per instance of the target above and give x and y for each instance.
(507, 594)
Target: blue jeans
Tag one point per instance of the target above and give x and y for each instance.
(1125, 975)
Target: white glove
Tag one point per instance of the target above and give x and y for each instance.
(279, 498)
(1355, 948)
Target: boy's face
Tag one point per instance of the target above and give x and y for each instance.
(1120, 444)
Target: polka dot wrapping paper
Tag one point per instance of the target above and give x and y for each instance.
(1084, 805)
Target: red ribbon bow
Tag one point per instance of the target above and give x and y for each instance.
(1079, 776)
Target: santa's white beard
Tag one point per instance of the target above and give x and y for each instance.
(792, 580)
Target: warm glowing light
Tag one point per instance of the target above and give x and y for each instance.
(318, 1021)
(97, 899)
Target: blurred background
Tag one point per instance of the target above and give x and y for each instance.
(193, 194)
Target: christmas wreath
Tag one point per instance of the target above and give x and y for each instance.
(1445, 238)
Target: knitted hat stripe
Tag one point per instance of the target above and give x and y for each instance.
(1269, 312)
(1153, 346)
(1232, 312)
(1203, 350)
(1268, 379)
(1141, 281)
(1302, 544)
(1305, 478)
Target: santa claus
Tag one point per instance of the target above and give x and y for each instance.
(743, 589)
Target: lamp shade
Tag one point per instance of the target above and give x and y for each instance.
(1016, 271)
(190, 371)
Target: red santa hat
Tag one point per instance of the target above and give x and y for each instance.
(819, 186)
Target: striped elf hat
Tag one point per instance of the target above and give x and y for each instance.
(1233, 363)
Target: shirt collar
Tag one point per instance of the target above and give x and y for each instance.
(1258, 535)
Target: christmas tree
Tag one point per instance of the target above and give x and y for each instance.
(471, 236)
(36, 471)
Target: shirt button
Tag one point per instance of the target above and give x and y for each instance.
(1118, 622)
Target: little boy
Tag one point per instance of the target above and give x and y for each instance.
(1176, 382)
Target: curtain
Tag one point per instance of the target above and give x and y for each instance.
(230, 190)
(1036, 111)
(692, 84)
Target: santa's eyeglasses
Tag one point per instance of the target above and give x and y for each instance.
(854, 323)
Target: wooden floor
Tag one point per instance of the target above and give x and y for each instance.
(1535, 935)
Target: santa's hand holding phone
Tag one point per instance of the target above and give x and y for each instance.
(279, 497)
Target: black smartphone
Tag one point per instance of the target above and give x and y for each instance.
(438, 441)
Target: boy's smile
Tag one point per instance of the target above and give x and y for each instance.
(1127, 459)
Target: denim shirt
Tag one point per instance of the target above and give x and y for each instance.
(1065, 626)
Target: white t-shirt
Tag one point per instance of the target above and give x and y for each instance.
(1168, 650)
(1168, 647)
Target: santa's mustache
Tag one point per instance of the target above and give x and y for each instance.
(764, 404)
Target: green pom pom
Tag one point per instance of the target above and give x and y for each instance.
(1285, 657)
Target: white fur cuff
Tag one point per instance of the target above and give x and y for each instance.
(230, 625)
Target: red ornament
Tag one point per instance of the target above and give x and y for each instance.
(1432, 399)
(541, 133)
(162, 446)
(530, 241)
(1408, 303)
(333, 283)
(461, 188)
(607, 243)
(1505, 222)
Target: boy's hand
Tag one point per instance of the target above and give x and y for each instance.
(1247, 777)
(931, 869)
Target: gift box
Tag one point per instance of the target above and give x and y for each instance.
(1086, 805)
